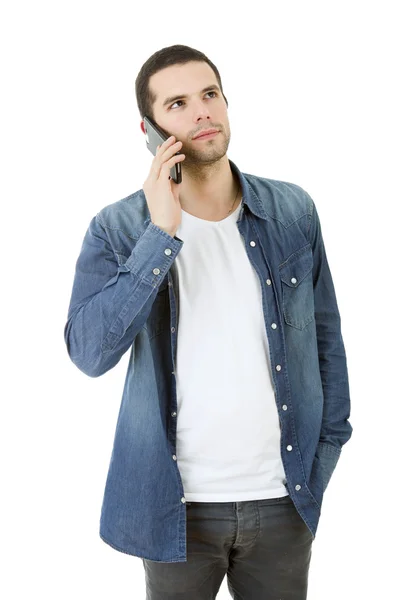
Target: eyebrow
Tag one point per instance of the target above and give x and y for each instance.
(173, 99)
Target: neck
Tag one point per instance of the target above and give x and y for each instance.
(210, 189)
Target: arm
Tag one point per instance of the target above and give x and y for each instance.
(111, 303)
(336, 430)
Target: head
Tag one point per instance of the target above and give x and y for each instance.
(169, 89)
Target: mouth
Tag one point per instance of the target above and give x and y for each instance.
(207, 136)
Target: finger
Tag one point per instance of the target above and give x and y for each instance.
(168, 151)
(171, 162)
(162, 157)
(168, 142)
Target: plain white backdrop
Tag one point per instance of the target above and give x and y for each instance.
(313, 99)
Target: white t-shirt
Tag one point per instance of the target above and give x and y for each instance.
(228, 431)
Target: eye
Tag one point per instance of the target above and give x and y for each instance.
(176, 103)
(182, 100)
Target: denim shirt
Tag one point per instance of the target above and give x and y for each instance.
(125, 296)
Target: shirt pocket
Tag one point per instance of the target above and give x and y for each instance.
(297, 288)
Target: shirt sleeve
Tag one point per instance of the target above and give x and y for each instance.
(110, 303)
(336, 429)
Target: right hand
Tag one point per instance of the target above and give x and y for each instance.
(161, 192)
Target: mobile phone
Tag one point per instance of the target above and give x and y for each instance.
(155, 136)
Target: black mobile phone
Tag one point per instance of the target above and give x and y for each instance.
(155, 136)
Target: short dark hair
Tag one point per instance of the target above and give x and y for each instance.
(171, 55)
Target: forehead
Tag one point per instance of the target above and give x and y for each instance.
(181, 80)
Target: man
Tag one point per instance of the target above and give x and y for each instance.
(236, 401)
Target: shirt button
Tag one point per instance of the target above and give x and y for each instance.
(273, 325)
(293, 280)
(297, 487)
(289, 448)
(156, 271)
(173, 414)
(268, 282)
(167, 251)
(183, 500)
(174, 456)
(284, 407)
(278, 367)
(172, 329)
(252, 243)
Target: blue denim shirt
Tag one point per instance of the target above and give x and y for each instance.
(124, 296)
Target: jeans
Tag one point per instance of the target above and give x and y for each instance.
(263, 546)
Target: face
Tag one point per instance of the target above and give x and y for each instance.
(185, 117)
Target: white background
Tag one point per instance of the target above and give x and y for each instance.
(313, 99)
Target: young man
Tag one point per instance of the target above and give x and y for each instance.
(236, 401)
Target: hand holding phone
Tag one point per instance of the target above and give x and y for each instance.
(156, 136)
(162, 193)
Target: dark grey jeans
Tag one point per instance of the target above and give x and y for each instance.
(263, 546)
